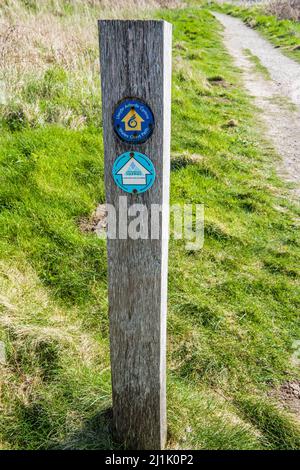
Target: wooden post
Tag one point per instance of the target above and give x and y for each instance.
(135, 61)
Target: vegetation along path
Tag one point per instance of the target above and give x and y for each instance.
(273, 79)
(233, 311)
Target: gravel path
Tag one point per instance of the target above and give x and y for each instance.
(277, 97)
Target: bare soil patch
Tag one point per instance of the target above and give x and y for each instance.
(288, 396)
(96, 223)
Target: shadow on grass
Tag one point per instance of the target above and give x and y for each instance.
(96, 433)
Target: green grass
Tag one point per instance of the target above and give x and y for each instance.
(284, 34)
(258, 67)
(233, 306)
(284, 102)
(57, 97)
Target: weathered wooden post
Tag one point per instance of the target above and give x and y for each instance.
(136, 94)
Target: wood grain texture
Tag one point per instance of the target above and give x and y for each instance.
(136, 62)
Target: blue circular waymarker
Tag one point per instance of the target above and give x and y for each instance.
(133, 172)
(133, 120)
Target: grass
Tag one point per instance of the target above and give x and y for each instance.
(284, 102)
(283, 33)
(233, 306)
(49, 63)
(257, 65)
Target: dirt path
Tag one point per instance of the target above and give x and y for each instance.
(278, 96)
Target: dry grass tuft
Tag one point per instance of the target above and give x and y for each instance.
(194, 76)
(24, 303)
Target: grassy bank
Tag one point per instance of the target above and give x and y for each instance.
(49, 65)
(283, 33)
(233, 306)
